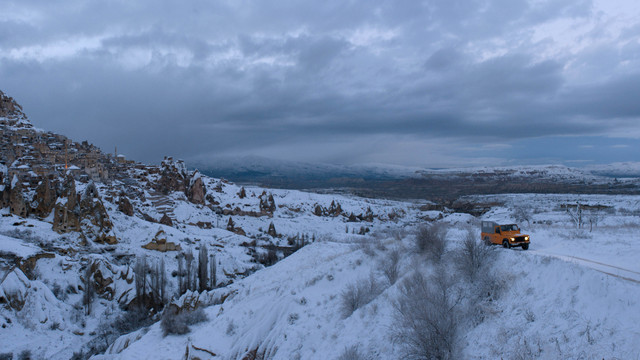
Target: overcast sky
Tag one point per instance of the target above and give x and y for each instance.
(424, 83)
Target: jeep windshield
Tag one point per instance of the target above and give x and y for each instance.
(512, 227)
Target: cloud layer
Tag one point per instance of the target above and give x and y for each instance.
(427, 83)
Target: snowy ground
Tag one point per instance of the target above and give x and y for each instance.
(52, 323)
(555, 304)
(573, 294)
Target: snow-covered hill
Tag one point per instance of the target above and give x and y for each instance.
(550, 303)
(50, 301)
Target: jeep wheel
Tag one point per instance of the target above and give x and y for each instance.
(487, 241)
(525, 246)
(505, 244)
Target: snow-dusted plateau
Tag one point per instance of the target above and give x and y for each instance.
(105, 258)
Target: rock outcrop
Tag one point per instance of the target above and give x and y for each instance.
(13, 289)
(17, 203)
(173, 175)
(111, 282)
(45, 199)
(66, 217)
(88, 215)
(11, 112)
(267, 203)
(231, 226)
(335, 209)
(272, 230)
(124, 205)
(197, 191)
(166, 220)
(160, 243)
(95, 223)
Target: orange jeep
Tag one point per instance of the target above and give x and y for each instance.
(507, 235)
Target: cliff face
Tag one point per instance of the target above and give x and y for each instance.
(11, 112)
(41, 171)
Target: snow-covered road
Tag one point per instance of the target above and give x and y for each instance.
(609, 269)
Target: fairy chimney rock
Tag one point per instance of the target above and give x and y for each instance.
(124, 205)
(197, 191)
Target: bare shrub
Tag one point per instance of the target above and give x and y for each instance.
(80, 355)
(292, 318)
(521, 214)
(131, 320)
(474, 257)
(399, 234)
(177, 322)
(359, 294)
(268, 257)
(352, 353)
(366, 244)
(427, 316)
(325, 238)
(529, 316)
(58, 292)
(6, 356)
(25, 355)
(578, 234)
(390, 266)
(430, 240)
(231, 328)
(195, 316)
(109, 329)
(525, 350)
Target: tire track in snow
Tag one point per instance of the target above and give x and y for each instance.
(608, 269)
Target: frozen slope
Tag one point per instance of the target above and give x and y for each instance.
(288, 311)
(548, 309)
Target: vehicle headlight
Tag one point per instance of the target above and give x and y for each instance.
(512, 239)
(526, 238)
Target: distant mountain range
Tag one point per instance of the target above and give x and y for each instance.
(414, 182)
(256, 169)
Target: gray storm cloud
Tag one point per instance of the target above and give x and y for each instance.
(411, 82)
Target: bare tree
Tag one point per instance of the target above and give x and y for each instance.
(181, 284)
(163, 281)
(521, 213)
(189, 273)
(576, 215)
(157, 282)
(594, 218)
(89, 289)
(212, 272)
(140, 276)
(203, 268)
